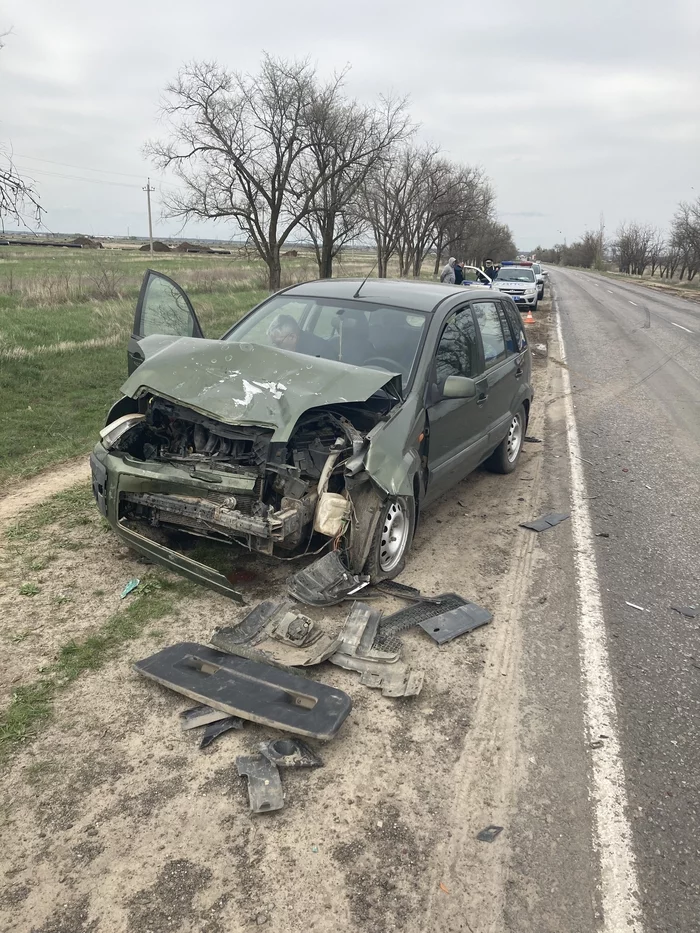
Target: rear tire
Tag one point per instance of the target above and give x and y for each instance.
(392, 539)
(505, 457)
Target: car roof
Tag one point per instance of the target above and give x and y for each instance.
(398, 293)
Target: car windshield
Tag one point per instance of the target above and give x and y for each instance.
(337, 329)
(515, 274)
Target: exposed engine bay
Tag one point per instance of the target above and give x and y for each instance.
(232, 483)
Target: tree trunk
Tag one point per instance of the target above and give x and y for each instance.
(381, 263)
(326, 265)
(436, 269)
(274, 267)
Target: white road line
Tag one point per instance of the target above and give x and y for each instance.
(686, 329)
(634, 303)
(612, 832)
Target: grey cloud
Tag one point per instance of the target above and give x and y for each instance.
(570, 110)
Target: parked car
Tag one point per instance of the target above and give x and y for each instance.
(475, 276)
(540, 277)
(518, 281)
(338, 408)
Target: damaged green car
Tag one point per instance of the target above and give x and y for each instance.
(330, 415)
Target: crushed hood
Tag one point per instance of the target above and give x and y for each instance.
(243, 383)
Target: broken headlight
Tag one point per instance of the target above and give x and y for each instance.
(112, 432)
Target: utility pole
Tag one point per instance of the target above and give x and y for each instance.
(148, 190)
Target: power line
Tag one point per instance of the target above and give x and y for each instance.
(83, 168)
(94, 181)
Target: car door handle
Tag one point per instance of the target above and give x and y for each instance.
(518, 373)
(480, 399)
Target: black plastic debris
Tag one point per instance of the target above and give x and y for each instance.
(394, 588)
(290, 752)
(249, 689)
(198, 716)
(276, 633)
(529, 439)
(380, 669)
(690, 612)
(264, 785)
(406, 618)
(489, 834)
(456, 622)
(546, 521)
(326, 582)
(215, 729)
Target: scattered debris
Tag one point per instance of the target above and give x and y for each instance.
(264, 784)
(381, 669)
(249, 689)
(489, 834)
(602, 534)
(444, 889)
(635, 606)
(449, 625)
(405, 619)
(276, 633)
(129, 588)
(529, 439)
(596, 743)
(590, 462)
(215, 729)
(290, 753)
(394, 588)
(326, 582)
(625, 470)
(690, 612)
(546, 521)
(198, 716)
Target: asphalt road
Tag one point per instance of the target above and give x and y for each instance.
(633, 364)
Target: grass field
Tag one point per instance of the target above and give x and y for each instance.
(65, 317)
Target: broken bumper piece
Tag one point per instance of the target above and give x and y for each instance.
(264, 785)
(275, 633)
(380, 669)
(326, 582)
(290, 753)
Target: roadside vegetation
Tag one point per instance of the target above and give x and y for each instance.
(641, 252)
(65, 318)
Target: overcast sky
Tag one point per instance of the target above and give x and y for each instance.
(572, 109)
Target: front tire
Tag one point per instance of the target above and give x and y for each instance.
(505, 457)
(392, 539)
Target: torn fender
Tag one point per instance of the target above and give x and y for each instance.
(393, 458)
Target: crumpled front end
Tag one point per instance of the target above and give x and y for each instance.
(164, 469)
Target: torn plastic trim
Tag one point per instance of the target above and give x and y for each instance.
(173, 560)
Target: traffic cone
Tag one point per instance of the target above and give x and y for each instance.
(529, 319)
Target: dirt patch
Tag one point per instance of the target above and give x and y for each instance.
(115, 822)
(15, 500)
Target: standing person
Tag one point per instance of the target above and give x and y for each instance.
(459, 273)
(490, 269)
(447, 276)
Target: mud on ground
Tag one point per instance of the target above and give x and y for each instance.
(113, 821)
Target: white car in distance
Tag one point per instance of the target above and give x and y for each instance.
(519, 282)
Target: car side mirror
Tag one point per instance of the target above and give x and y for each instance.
(459, 387)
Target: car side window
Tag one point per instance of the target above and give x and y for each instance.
(456, 354)
(491, 332)
(511, 348)
(516, 326)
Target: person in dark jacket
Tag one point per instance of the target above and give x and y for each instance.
(459, 273)
(491, 269)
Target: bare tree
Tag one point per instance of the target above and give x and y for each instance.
(634, 246)
(685, 239)
(240, 145)
(18, 199)
(347, 141)
(382, 199)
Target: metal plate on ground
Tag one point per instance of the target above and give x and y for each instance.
(456, 622)
(249, 689)
(406, 618)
